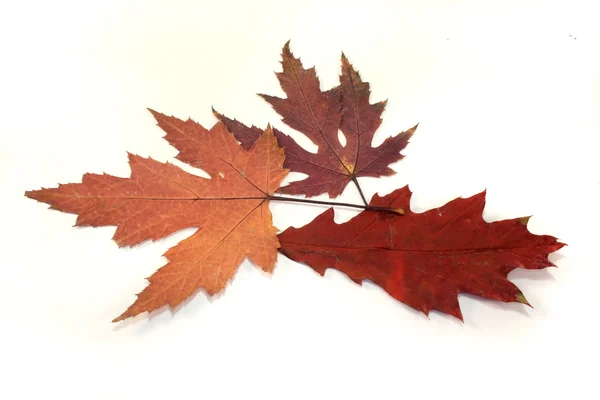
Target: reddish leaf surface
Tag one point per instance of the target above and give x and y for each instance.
(246, 135)
(319, 115)
(424, 260)
(159, 199)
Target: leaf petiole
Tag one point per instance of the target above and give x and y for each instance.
(399, 211)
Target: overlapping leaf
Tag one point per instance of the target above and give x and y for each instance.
(424, 260)
(319, 115)
(231, 209)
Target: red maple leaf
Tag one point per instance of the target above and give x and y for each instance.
(319, 115)
(424, 259)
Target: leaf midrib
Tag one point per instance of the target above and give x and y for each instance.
(443, 251)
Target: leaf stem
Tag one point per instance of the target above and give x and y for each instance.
(332, 203)
(362, 196)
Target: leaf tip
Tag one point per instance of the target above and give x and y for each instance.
(457, 314)
(269, 133)
(155, 113)
(347, 68)
(287, 53)
(131, 157)
(222, 118)
(344, 59)
(38, 195)
(520, 298)
(524, 220)
(410, 132)
(122, 317)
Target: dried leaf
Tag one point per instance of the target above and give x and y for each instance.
(231, 209)
(423, 259)
(319, 115)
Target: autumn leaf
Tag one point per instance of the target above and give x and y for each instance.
(424, 259)
(244, 134)
(231, 210)
(319, 115)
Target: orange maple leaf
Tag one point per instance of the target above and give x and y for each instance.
(231, 210)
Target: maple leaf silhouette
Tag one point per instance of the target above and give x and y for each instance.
(319, 115)
(231, 209)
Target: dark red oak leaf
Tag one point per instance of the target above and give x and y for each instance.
(319, 115)
(424, 259)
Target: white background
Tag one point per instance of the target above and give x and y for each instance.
(507, 95)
